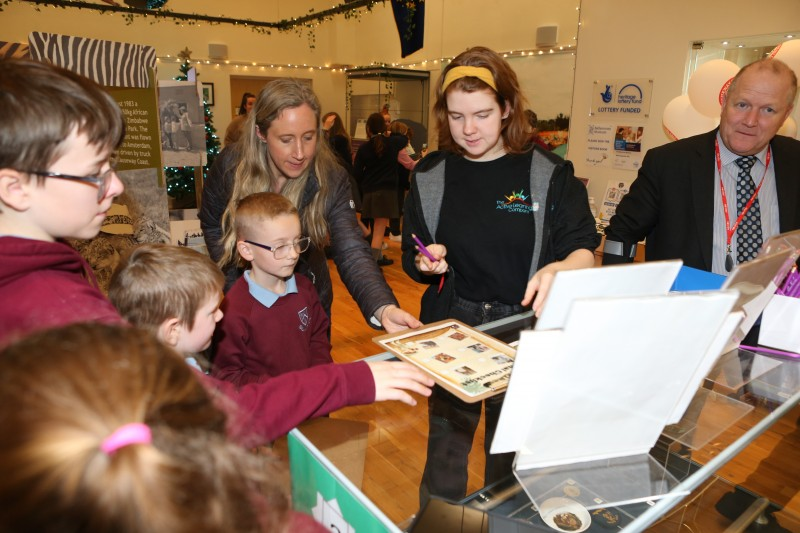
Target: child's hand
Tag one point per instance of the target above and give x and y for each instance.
(394, 378)
(425, 265)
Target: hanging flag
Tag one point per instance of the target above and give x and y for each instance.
(409, 16)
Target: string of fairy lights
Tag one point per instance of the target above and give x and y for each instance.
(424, 64)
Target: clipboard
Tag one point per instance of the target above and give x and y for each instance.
(461, 359)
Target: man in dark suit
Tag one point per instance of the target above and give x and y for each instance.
(684, 200)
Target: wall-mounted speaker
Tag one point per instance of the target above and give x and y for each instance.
(218, 51)
(546, 36)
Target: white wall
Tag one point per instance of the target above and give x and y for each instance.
(618, 39)
(622, 39)
(450, 27)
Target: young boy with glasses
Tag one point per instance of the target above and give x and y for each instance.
(273, 320)
(57, 181)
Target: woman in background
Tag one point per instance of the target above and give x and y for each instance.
(376, 173)
(339, 141)
(234, 130)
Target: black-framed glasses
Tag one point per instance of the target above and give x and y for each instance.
(102, 180)
(282, 252)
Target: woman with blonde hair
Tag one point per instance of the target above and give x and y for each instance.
(280, 151)
(108, 430)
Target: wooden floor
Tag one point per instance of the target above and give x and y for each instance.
(770, 466)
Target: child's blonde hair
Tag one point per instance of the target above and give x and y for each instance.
(156, 282)
(253, 210)
(65, 391)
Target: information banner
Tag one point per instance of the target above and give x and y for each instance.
(142, 145)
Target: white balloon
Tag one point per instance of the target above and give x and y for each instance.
(681, 119)
(789, 128)
(789, 53)
(709, 83)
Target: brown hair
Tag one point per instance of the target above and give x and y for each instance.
(255, 210)
(41, 105)
(514, 128)
(64, 391)
(253, 173)
(243, 105)
(157, 282)
(375, 128)
(337, 128)
(400, 128)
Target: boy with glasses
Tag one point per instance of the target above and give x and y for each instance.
(57, 181)
(273, 320)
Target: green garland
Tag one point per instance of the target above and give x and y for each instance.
(350, 10)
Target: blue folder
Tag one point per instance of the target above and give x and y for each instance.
(692, 279)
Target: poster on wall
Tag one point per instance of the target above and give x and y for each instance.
(141, 147)
(183, 131)
(628, 147)
(599, 144)
(615, 146)
(615, 190)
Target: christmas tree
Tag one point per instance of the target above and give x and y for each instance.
(180, 180)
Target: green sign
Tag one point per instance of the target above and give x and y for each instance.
(320, 490)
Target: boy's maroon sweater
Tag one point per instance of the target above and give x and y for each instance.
(48, 284)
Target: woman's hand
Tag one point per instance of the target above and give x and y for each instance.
(429, 266)
(394, 319)
(541, 282)
(393, 379)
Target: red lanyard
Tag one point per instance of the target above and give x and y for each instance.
(728, 229)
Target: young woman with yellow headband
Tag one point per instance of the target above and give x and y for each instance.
(500, 218)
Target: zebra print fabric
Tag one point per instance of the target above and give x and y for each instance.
(16, 50)
(108, 63)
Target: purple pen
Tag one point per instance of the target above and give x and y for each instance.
(421, 247)
(771, 351)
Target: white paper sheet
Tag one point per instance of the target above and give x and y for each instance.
(640, 279)
(715, 349)
(607, 387)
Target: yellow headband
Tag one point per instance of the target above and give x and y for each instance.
(456, 73)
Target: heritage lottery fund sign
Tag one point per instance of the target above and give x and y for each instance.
(622, 98)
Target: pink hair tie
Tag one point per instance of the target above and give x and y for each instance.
(134, 433)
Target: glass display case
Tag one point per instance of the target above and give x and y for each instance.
(742, 397)
(404, 93)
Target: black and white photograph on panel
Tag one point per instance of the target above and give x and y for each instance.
(182, 122)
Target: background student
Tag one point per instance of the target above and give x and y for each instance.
(234, 130)
(376, 173)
